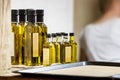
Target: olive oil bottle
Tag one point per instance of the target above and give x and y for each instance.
(48, 52)
(73, 48)
(21, 26)
(36, 46)
(65, 50)
(42, 32)
(28, 58)
(14, 27)
(57, 47)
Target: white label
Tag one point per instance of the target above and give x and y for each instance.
(35, 45)
(46, 56)
(68, 54)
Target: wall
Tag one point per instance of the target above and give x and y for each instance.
(58, 13)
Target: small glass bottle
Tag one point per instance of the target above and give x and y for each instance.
(73, 47)
(48, 52)
(65, 50)
(57, 47)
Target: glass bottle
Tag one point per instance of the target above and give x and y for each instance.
(42, 32)
(21, 26)
(28, 61)
(57, 47)
(14, 27)
(73, 47)
(65, 50)
(48, 52)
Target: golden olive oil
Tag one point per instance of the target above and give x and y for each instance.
(29, 28)
(21, 26)
(73, 47)
(14, 27)
(65, 50)
(57, 47)
(36, 46)
(48, 52)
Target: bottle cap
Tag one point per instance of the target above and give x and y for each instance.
(40, 12)
(65, 34)
(53, 34)
(62, 33)
(22, 12)
(71, 34)
(48, 36)
(30, 12)
(14, 12)
(58, 34)
(14, 15)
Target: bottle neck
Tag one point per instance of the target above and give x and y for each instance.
(49, 40)
(71, 38)
(65, 38)
(53, 39)
(59, 39)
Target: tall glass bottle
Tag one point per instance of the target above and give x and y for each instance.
(29, 38)
(42, 31)
(21, 26)
(65, 50)
(14, 27)
(73, 48)
(57, 47)
(48, 52)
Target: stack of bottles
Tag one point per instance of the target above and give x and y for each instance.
(33, 46)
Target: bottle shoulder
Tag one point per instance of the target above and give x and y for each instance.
(41, 25)
(48, 45)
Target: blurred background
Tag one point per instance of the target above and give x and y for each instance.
(64, 15)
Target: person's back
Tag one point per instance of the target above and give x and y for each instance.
(101, 38)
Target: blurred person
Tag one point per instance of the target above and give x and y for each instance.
(101, 39)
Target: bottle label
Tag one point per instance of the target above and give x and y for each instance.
(68, 54)
(35, 44)
(46, 56)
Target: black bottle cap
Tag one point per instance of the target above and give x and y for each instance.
(30, 12)
(65, 34)
(22, 14)
(14, 15)
(71, 34)
(14, 12)
(48, 35)
(58, 34)
(31, 16)
(62, 33)
(53, 34)
(40, 12)
(27, 12)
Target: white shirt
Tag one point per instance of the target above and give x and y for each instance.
(102, 41)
